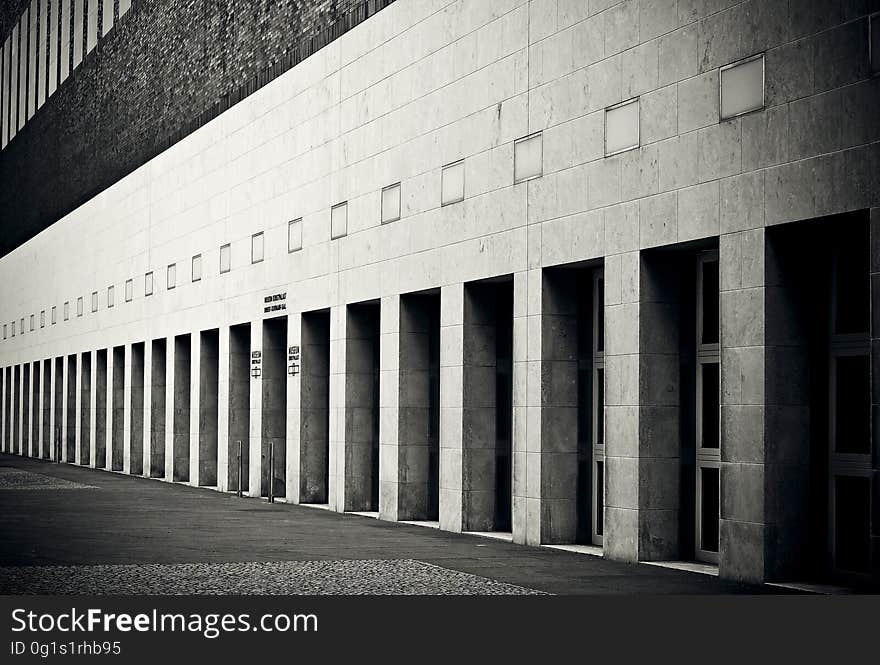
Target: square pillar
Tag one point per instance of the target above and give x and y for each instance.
(451, 405)
(79, 447)
(93, 416)
(223, 443)
(528, 460)
(194, 472)
(294, 411)
(255, 449)
(126, 409)
(746, 296)
(642, 378)
(338, 328)
(389, 421)
(147, 408)
(168, 458)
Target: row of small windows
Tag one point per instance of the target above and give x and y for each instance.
(741, 91)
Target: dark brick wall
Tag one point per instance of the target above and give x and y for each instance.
(166, 68)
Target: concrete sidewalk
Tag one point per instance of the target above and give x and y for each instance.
(111, 519)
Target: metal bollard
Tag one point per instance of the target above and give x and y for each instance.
(239, 469)
(271, 472)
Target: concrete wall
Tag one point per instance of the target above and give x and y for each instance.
(421, 85)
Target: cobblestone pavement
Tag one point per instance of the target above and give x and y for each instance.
(17, 479)
(359, 577)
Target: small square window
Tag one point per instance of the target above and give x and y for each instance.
(32, 322)
(452, 183)
(4, 331)
(13, 328)
(148, 284)
(111, 296)
(742, 87)
(79, 306)
(391, 203)
(94, 301)
(874, 43)
(622, 127)
(66, 310)
(21, 326)
(225, 258)
(129, 290)
(54, 315)
(197, 268)
(43, 319)
(257, 247)
(171, 276)
(339, 220)
(528, 158)
(295, 235)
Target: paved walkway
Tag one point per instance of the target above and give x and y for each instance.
(97, 518)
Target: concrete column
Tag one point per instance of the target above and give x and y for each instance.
(38, 408)
(26, 409)
(195, 394)
(528, 461)
(147, 408)
(86, 450)
(79, 447)
(745, 295)
(46, 404)
(338, 329)
(170, 361)
(389, 411)
(16, 423)
(313, 440)
(65, 406)
(256, 415)
(451, 405)
(35, 408)
(294, 408)
(93, 415)
(642, 408)
(111, 415)
(549, 454)
(126, 409)
(58, 408)
(223, 443)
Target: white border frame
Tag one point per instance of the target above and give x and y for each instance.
(614, 107)
(721, 70)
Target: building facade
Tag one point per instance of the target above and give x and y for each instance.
(580, 272)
